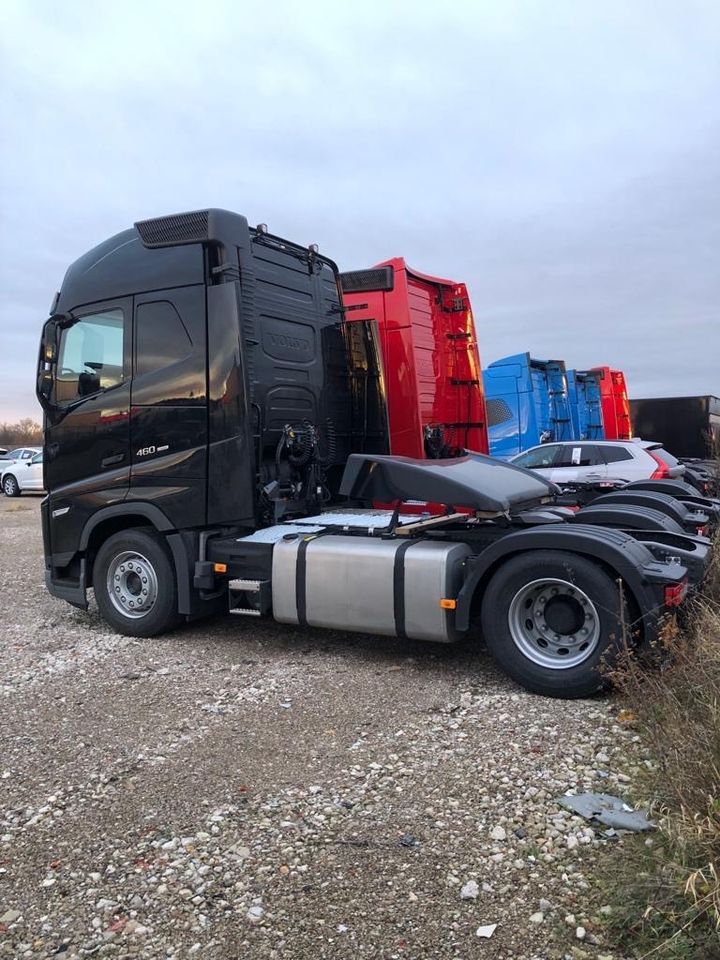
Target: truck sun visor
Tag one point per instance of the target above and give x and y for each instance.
(378, 278)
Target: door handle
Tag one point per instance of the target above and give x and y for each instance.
(112, 460)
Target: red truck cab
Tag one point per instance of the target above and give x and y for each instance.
(432, 372)
(615, 404)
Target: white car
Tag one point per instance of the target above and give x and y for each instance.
(19, 453)
(24, 475)
(574, 460)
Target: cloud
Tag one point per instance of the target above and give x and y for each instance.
(562, 159)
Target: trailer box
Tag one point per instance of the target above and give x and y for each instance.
(527, 402)
(686, 426)
(433, 377)
(615, 404)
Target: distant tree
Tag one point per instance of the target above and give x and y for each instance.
(25, 432)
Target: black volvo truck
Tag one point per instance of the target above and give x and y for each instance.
(216, 439)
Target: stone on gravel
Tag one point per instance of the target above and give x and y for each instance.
(486, 931)
(537, 917)
(498, 833)
(470, 890)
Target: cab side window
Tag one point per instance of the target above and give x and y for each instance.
(160, 337)
(91, 356)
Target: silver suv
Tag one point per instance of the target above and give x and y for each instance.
(615, 459)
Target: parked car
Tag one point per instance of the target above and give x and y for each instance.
(3, 451)
(616, 459)
(24, 475)
(19, 453)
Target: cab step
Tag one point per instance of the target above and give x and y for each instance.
(249, 598)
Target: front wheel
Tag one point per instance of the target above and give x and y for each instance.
(134, 584)
(552, 620)
(11, 488)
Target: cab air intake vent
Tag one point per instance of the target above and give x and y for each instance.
(497, 412)
(177, 229)
(362, 281)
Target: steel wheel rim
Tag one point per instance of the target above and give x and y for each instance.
(132, 584)
(554, 623)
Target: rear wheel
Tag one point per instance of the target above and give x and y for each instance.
(552, 620)
(134, 582)
(11, 488)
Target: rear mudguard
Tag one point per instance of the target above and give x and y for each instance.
(627, 516)
(676, 488)
(694, 553)
(624, 556)
(685, 493)
(691, 519)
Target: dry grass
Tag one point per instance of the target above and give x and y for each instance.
(671, 899)
(15, 506)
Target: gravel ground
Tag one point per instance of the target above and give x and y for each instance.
(241, 789)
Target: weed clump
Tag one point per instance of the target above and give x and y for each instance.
(671, 888)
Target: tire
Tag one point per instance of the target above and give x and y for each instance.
(553, 620)
(11, 488)
(142, 601)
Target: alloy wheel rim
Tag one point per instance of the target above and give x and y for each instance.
(132, 584)
(554, 623)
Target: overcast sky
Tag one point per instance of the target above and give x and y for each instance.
(561, 158)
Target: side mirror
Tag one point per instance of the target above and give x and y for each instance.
(44, 389)
(47, 361)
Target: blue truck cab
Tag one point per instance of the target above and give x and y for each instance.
(585, 404)
(527, 403)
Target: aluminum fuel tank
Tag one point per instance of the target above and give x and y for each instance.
(391, 587)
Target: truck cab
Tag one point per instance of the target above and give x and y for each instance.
(432, 371)
(585, 404)
(527, 403)
(192, 369)
(615, 404)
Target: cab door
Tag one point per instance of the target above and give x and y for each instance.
(87, 436)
